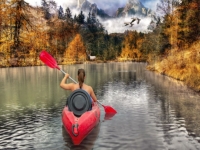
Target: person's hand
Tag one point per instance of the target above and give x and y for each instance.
(67, 75)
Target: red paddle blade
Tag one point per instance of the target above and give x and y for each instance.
(46, 58)
(109, 110)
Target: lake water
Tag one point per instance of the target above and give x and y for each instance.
(154, 112)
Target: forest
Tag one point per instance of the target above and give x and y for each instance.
(172, 48)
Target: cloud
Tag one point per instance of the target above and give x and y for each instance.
(117, 25)
(69, 3)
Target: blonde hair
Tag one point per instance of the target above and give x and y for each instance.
(81, 77)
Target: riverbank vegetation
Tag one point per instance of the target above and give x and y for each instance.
(172, 48)
(179, 55)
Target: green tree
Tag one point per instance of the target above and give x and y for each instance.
(68, 15)
(80, 18)
(45, 8)
(60, 13)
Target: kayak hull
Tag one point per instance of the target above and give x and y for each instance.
(79, 127)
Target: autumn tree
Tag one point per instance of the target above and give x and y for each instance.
(19, 33)
(4, 16)
(170, 22)
(18, 22)
(130, 49)
(4, 29)
(2, 4)
(189, 26)
(127, 47)
(76, 50)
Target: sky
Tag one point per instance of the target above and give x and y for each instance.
(103, 4)
(110, 7)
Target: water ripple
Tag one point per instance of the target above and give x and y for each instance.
(153, 111)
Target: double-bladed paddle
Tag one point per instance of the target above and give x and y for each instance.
(46, 58)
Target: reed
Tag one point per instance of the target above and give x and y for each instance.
(182, 65)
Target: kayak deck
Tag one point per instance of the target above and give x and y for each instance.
(79, 127)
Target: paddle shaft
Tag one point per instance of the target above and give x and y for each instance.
(69, 76)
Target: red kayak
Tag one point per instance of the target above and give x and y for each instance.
(79, 127)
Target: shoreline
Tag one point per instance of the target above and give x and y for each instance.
(186, 82)
(71, 63)
(148, 67)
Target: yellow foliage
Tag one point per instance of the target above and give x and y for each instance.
(131, 45)
(182, 65)
(182, 61)
(76, 50)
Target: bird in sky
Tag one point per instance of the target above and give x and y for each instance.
(133, 19)
(126, 23)
(138, 20)
(131, 24)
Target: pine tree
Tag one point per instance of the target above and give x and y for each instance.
(45, 7)
(68, 15)
(89, 20)
(80, 18)
(44, 4)
(60, 13)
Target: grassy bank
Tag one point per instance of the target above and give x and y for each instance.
(182, 65)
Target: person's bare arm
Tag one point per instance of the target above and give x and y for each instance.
(64, 85)
(93, 95)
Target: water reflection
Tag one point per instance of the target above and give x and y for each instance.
(182, 106)
(109, 116)
(154, 111)
(23, 128)
(182, 100)
(31, 86)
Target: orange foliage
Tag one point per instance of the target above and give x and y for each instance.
(183, 65)
(193, 5)
(76, 50)
(182, 61)
(131, 45)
